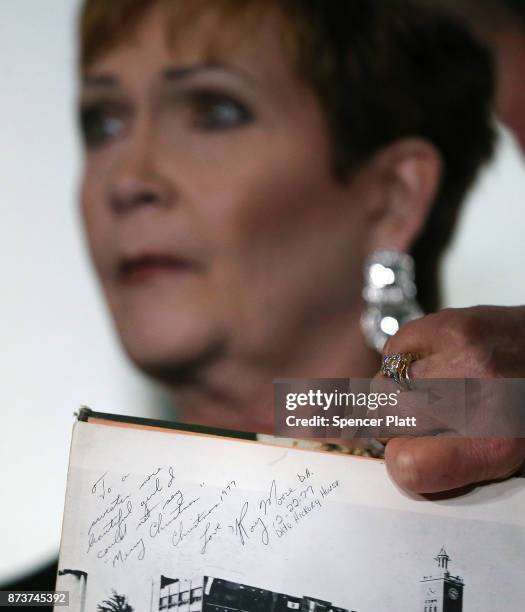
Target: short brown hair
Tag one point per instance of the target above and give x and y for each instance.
(490, 15)
(382, 70)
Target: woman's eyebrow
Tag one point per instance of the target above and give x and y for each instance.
(106, 81)
(174, 74)
(170, 75)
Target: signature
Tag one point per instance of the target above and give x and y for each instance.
(274, 498)
(242, 527)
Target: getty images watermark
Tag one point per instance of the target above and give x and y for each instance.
(326, 401)
(351, 408)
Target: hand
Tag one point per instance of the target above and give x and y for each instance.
(480, 342)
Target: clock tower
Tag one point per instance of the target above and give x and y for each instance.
(442, 592)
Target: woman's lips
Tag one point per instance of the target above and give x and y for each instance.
(147, 267)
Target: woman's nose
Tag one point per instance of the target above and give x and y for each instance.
(137, 181)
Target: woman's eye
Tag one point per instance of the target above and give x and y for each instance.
(218, 112)
(99, 125)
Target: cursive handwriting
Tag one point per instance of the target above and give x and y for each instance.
(117, 522)
(303, 477)
(177, 495)
(149, 477)
(274, 498)
(118, 500)
(242, 527)
(161, 507)
(281, 526)
(118, 535)
(208, 535)
(160, 524)
(139, 546)
(326, 490)
(100, 487)
(299, 514)
(171, 475)
(144, 503)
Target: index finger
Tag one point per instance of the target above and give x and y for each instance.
(421, 336)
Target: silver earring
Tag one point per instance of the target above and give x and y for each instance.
(390, 296)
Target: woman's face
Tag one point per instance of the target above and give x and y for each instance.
(211, 212)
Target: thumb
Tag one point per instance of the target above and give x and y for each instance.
(435, 464)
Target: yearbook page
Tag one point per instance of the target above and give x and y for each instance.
(159, 519)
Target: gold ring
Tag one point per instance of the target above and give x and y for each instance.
(396, 366)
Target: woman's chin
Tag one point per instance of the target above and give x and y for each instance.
(171, 355)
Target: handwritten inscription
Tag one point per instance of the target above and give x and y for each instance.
(134, 510)
(99, 487)
(149, 477)
(209, 534)
(138, 548)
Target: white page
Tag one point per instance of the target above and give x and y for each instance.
(351, 537)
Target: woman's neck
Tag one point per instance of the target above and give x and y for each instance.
(235, 393)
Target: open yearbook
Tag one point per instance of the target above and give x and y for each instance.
(159, 517)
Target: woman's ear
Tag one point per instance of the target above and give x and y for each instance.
(409, 172)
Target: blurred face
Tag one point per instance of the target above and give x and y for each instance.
(212, 216)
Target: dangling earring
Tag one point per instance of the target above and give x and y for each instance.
(390, 296)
